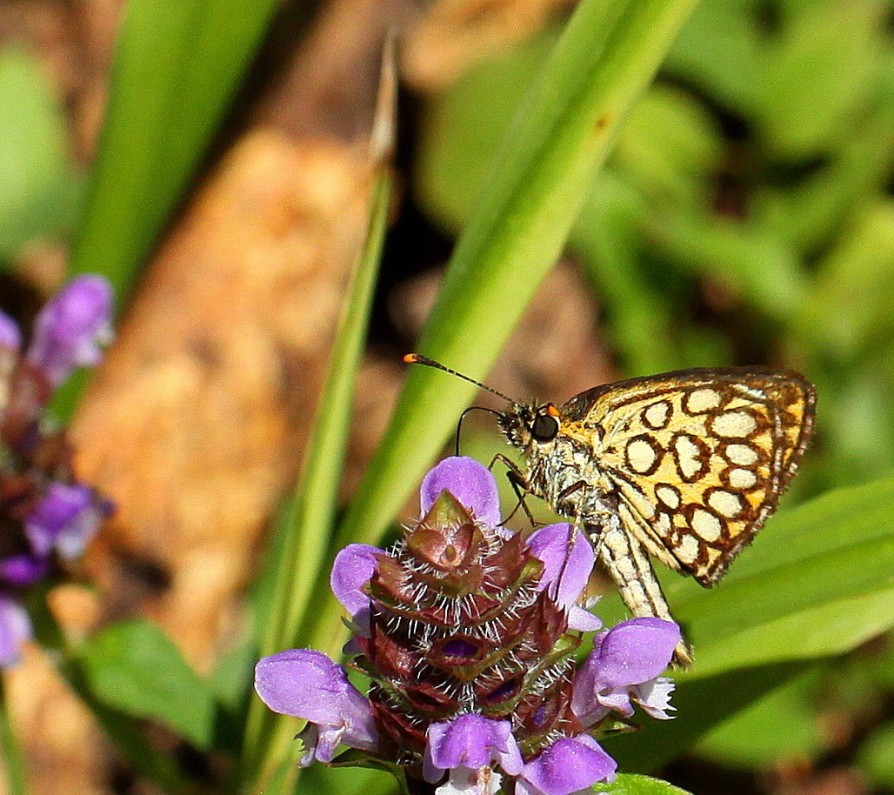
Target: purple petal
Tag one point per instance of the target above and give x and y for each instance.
(566, 766)
(353, 568)
(471, 483)
(10, 336)
(636, 651)
(308, 685)
(15, 629)
(471, 741)
(63, 511)
(567, 558)
(22, 570)
(70, 328)
(582, 620)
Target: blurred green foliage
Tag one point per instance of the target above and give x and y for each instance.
(745, 216)
(39, 189)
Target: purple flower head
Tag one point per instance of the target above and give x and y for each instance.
(624, 666)
(308, 685)
(71, 327)
(470, 741)
(467, 633)
(15, 629)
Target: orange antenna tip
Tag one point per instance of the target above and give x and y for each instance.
(416, 358)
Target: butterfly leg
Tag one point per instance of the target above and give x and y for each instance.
(519, 486)
(629, 566)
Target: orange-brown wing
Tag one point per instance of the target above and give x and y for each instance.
(699, 458)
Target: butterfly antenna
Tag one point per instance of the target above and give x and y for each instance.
(415, 358)
(459, 425)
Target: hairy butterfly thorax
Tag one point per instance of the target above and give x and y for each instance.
(684, 467)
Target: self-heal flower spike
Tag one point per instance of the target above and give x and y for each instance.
(45, 513)
(467, 633)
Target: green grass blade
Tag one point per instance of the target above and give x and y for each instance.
(302, 569)
(176, 67)
(13, 763)
(606, 56)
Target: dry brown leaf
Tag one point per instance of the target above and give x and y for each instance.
(194, 424)
(455, 34)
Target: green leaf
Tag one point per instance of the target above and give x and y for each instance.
(701, 704)
(743, 741)
(633, 784)
(719, 51)
(876, 757)
(848, 310)
(176, 67)
(11, 748)
(38, 188)
(135, 668)
(561, 134)
(829, 91)
(813, 570)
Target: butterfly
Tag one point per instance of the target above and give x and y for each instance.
(684, 467)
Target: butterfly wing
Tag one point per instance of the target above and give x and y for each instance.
(698, 458)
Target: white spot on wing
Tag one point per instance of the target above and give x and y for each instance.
(687, 550)
(741, 454)
(725, 503)
(706, 525)
(742, 478)
(669, 496)
(734, 424)
(701, 400)
(641, 456)
(657, 415)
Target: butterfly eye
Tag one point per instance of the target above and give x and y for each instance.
(545, 428)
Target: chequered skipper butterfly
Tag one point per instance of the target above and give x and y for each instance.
(684, 466)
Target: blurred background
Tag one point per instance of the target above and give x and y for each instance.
(745, 217)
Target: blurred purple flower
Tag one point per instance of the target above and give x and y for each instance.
(46, 514)
(24, 569)
(10, 336)
(65, 518)
(69, 330)
(15, 629)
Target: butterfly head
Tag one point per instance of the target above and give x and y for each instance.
(530, 426)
